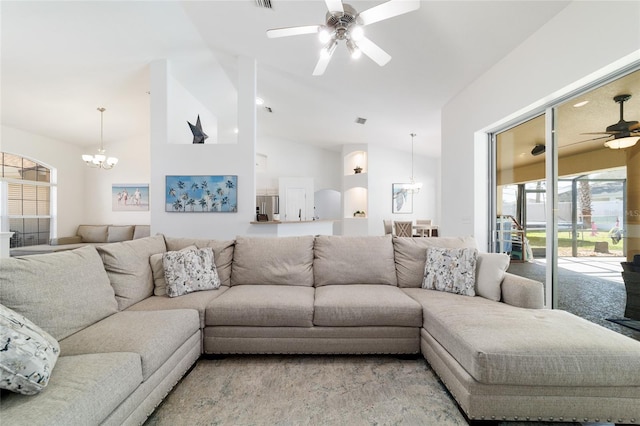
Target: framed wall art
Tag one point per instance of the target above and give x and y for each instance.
(401, 198)
(130, 197)
(201, 194)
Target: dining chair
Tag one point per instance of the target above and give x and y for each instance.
(403, 228)
(388, 227)
(424, 227)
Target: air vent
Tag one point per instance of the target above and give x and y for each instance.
(361, 120)
(264, 3)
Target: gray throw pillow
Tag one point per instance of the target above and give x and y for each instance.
(28, 354)
(187, 271)
(451, 270)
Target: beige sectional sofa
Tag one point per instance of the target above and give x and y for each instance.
(87, 235)
(124, 343)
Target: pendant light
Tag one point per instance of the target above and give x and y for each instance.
(100, 160)
(414, 187)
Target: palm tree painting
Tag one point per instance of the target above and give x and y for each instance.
(201, 194)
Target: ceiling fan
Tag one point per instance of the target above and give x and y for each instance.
(623, 134)
(343, 22)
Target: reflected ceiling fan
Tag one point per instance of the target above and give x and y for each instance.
(623, 134)
(343, 22)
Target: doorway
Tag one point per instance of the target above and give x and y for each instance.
(569, 197)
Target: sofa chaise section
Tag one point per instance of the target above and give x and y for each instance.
(508, 363)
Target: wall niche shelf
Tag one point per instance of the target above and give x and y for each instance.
(355, 189)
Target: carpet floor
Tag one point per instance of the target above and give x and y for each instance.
(311, 390)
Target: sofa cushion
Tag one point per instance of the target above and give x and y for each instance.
(119, 233)
(411, 255)
(199, 301)
(83, 390)
(451, 270)
(60, 292)
(93, 233)
(127, 265)
(282, 261)
(353, 260)
(499, 344)
(222, 253)
(490, 271)
(188, 271)
(263, 306)
(154, 335)
(361, 305)
(28, 354)
(141, 231)
(157, 268)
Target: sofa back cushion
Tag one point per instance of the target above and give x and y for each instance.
(93, 233)
(222, 253)
(141, 231)
(117, 233)
(128, 268)
(411, 256)
(278, 260)
(61, 292)
(353, 260)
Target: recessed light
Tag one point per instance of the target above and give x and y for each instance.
(580, 104)
(259, 101)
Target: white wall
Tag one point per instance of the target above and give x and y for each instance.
(572, 47)
(134, 167)
(388, 166)
(291, 159)
(66, 160)
(202, 159)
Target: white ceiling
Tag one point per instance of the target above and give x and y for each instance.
(61, 60)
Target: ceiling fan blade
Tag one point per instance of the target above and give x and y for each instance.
(291, 31)
(323, 62)
(388, 10)
(600, 133)
(334, 5)
(634, 127)
(374, 51)
(586, 140)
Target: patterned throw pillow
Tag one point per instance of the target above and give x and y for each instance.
(451, 270)
(190, 270)
(28, 354)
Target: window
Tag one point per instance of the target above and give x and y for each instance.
(26, 190)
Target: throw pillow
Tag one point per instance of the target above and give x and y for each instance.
(28, 354)
(490, 270)
(451, 270)
(189, 271)
(159, 282)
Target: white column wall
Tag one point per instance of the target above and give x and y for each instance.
(202, 159)
(569, 51)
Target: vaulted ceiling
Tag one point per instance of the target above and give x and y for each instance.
(61, 60)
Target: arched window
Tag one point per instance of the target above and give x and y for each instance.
(26, 190)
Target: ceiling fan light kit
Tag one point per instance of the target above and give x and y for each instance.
(344, 23)
(625, 133)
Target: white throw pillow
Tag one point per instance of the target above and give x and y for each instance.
(490, 270)
(451, 270)
(187, 271)
(28, 354)
(159, 282)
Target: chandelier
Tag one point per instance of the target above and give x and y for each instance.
(414, 187)
(100, 160)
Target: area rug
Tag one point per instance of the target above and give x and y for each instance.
(310, 390)
(630, 323)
